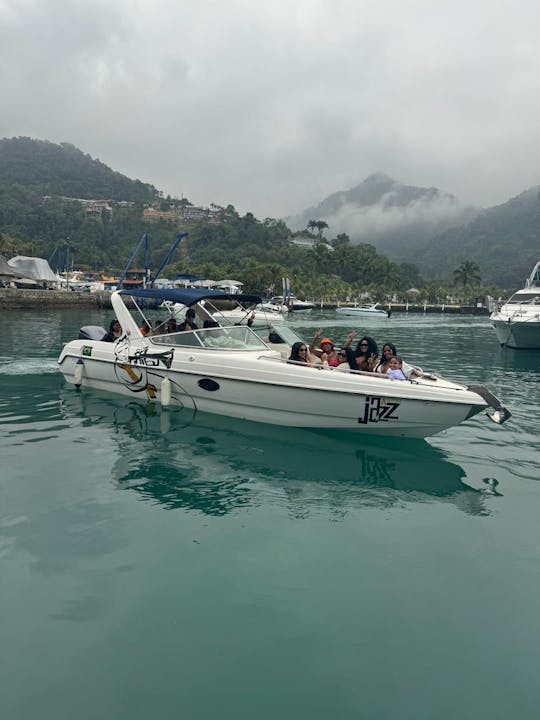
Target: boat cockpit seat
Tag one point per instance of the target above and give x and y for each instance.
(283, 349)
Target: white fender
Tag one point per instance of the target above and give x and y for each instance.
(78, 373)
(165, 391)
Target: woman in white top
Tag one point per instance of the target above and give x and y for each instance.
(389, 351)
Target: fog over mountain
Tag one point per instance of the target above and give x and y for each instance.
(504, 240)
(396, 218)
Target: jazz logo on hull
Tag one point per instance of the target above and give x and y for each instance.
(378, 409)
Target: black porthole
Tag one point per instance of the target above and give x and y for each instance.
(208, 384)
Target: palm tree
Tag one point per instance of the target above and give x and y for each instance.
(467, 274)
(312, 224)
(318, 225)
(321, 225)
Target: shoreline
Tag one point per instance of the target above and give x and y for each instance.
(21, 299)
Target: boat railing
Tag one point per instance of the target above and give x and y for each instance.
(534, 278)
(325, 367)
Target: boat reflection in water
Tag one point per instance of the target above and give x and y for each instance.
(215, 465)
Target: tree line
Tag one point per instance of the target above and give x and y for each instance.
(258, 253)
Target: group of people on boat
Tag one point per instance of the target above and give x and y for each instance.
(364, 358)
(320, 352)
(160, 328)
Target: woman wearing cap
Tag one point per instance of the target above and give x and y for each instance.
(326, 351)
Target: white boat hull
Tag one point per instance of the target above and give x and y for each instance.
(517, 335)
(292, 305)
(267, 391)
(262, 317)
(517, 322)
(354, 311)
(233, 373)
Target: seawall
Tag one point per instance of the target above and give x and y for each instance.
(18, 299)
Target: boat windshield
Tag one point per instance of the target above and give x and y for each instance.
(239, 337)
(525, 297)
(286, 333)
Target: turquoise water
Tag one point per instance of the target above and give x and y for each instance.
(159, 565)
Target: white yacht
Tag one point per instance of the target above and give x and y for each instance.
(237, 309)
(517, 322)
(289, 304)
(236, 372)
(363, 310)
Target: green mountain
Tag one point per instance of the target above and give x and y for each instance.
(434, 230)
(46, 168)
(34, 219)
(504, 241)
(395, 218)
(421, 228)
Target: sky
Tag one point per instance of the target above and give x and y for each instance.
(272, 106)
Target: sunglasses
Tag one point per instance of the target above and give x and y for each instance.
(364, 345)
(302, 350)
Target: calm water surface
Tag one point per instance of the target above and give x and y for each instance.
(159, 565)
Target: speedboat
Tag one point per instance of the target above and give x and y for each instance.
(237, 309)
(235, 372)
(364, 310)
(255, 316)
(517, 322)
(289, 304)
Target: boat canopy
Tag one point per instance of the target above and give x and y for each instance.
(187, 296)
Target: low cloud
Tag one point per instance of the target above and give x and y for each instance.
(427, 215)
(271, 107)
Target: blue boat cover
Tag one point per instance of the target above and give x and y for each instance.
(187, 296)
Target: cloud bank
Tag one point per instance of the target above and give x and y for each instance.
(273, 106)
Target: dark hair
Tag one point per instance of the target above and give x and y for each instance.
(351, 359)
(190, 312)
(294, 356)
(391, 346)
(112, 324)
(372, 347)
(210, 324)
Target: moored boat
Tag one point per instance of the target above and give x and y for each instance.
(289, 304)
(363, 310)
(238, 310)
(234, 371)
(517, 322)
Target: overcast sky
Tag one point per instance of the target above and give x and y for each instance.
(271, 106)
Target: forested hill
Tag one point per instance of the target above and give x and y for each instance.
(503, 240)
(46, 168)
(38, 181)
(435, 231)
